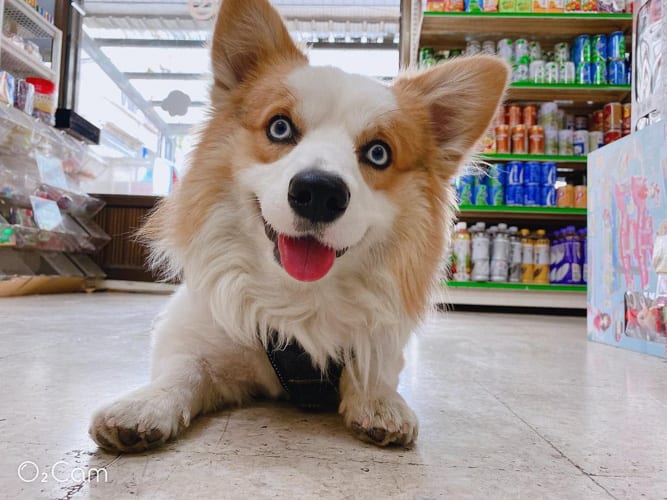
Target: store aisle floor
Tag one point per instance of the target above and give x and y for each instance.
(510, 407)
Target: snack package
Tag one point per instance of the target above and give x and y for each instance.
(556, 6)
(474, 5)
(506, 5)
(7, 88)
(490, 5)
(589, 6)
(572, 5)
(453, 6)
(524, 5)
(540, 5)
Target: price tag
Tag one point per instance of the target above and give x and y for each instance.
(46, 213)
(51, 171)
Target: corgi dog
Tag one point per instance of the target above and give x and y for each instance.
(307, 232)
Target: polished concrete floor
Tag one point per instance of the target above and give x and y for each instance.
(510, 407)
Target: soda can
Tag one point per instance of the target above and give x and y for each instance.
(599, 48)
(584, 73)
(552, 72)
(519, 139)
(566, 72)
(520, 72)
(503, 139)
(561, 52)
(514, 196)
(548, 196)
(532, 173)
(581, 53)
(549, 115)
(520, 48)
(617, 72)
(550, 142)
(530, 115)
(595, 140)
(580, 197)
(464, 189)
(565, 196)
(626, 125)
(580, 142)
(514, 173)
(548, 173)
(496, 175)
(581, 122)
(537, 72)
(513, 115)
(613, 116)
(473, 48)
(600, 73)
(616, 46)
(489, 47)
(565, 146)
(535, 51)
(480, 195)
(531, 195)
(611, 136)
(598, 121)
(536, 140)
(505, 50)
(496, 195)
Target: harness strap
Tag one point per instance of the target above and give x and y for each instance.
(307, 386)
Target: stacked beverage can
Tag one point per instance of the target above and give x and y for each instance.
(532, 174)
(548, 175)
(464, 189)
(616, 46)
(505, 50)
(599, 48)
(514, 183)
(561, 52)
(495, 181)
(617, 70)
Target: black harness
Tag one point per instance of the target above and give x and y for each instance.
(307, 386)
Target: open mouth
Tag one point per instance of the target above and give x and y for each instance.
(304, 258)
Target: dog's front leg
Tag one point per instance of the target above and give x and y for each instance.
(377, 414)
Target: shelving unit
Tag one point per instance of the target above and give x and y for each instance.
(452, 30)
(18, 17)
(512, 295)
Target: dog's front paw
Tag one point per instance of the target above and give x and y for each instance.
(136, 423)
(384, 420)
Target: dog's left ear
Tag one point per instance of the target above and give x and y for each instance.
(249, 35)
(462, 97)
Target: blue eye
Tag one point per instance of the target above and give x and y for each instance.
(280, 129)
(378, 154)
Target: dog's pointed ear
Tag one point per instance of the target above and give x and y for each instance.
(248, 35)
(462, 97)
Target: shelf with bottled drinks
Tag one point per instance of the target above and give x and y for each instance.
(447, 29)
(579, 93)
(557, 215)
(527, 287)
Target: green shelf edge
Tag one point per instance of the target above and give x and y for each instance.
(533, 15)
(569, 86)
(514, 286)
(524, 210)
(551, 158)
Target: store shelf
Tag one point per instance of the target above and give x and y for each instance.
(512, 295)
(455, 28)
(23, 19)
(554, 215)
(527, 91)
(20, 64)
(551, 158)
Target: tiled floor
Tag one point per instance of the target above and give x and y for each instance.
(510, 407)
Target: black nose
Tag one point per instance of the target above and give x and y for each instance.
(318, 196)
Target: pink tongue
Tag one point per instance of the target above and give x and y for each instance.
(305, 259)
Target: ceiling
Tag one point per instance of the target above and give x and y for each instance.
(128, 38)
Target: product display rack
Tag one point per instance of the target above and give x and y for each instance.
(17, 16)
(452, 30)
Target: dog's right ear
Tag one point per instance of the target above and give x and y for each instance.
(249, 35)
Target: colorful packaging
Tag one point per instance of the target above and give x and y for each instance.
(464, 189)
(7, 88)
(549, 116)
(507, 6)
(454, 6)
(435, 6)
(527, 252)
(537, 72)
(461, 253)
(530, 115)
(503, 139)
(496, 175)
(611, 136)
(505, 48)
(474, 5)
(613, 6)
(613, 116)
(550, 142)
(561, 52)
(566, 72)
(514, 115)
(597, 124)
(595, 140)
(25, 96)
(626, 126)
(581, 122)
(556, 6)
(490, 6)
(519, 139)
(552, 72)
(541, 258)
(582, 51)
(540, 5)
(599, 73)
(480, 195)
(589, 6)
(572, 5)
(536, 140)
(524, 5)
